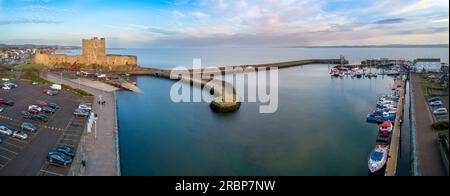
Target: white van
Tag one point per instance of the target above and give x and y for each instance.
(56, 87)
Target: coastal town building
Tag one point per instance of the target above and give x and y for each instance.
(93, 53)
(12, 56)
(427, 65)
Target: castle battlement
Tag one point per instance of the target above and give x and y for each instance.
(93, 53)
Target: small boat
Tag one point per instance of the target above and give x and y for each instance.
(378, 160)
(380, 118)
(372, 75)
(387, 126)
(384, 137)
(359, 74)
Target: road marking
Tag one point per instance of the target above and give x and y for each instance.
(65, 144)
(16, 146)
(5, 149)
(19, 140)
(69, 140)
(9, 159)
(51, 173)
(72, 135)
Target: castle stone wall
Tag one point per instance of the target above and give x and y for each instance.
(93, 52)
(121, 60)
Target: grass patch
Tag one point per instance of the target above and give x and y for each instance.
(7, 76)
(442, 125)
(443, 134)
(25, 67)
(431, 88)
(77, 91)
(38, 79)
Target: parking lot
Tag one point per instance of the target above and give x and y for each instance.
(445, 105)
(29, 157)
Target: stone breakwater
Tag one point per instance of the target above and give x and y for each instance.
(221, 104)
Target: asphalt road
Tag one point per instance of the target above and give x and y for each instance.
(429, 159)
(28, 158)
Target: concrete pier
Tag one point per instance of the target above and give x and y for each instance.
(391, 169)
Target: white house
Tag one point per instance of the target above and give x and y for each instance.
(427, 65)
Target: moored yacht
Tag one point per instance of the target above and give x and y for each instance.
(378, 160)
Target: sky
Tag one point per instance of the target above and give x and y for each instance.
(225, 23)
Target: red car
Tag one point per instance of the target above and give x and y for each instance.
(40, 103)
(33, 111)
(2, 101)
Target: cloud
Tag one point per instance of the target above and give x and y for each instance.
(250, 22)
(443, 20)
(27, 21)
(391, 21)
(419, 5)
(39, 1)
(45, 8)
(178, 13)
(141, 28)
(199, 15)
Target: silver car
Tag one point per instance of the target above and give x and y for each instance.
(441, 111)
(436, 103)
(20, 135)
(6, 131)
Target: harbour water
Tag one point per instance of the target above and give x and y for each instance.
(319, 128)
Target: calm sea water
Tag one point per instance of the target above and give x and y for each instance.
(319, 128)
(169, 58)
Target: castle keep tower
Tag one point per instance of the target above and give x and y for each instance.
(94, 50)
(93, 53)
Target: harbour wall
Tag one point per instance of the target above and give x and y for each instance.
(165, 73)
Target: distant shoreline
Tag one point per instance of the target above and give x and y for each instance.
(378, 46)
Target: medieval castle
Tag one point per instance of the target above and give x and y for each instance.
(94, 53)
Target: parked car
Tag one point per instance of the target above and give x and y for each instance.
(433, 99)
(2, 109)
(34, 109)
(26, 115)
(436, 103)
(20, 135)
(53, 106)
(10, 103)
(35, 117)
(40, 117)
(59, 158)
(40, 103)
(11, 84)
(440, 111)
(66, 150)
(48, 110)
(1, 140)
(2, 101)
(6, 88)
(50, 92)
(6, 131)
(29, 127)
(56, 87)
(85, 106)
(81, 113)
